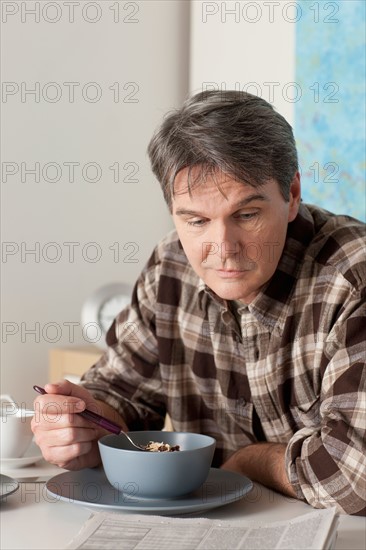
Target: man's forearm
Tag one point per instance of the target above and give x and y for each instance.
(262, 462)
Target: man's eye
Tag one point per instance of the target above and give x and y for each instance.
(247, 215)
(196, 223)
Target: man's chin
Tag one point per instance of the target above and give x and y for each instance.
(231, 290)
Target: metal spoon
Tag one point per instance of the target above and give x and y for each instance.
(100, 421)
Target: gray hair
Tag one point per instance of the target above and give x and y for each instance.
(230, 132)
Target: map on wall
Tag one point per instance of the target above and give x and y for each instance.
(330, 115)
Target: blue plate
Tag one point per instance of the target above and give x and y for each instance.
(8, 486)
(91, 489)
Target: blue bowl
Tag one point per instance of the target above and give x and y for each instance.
(157, 475)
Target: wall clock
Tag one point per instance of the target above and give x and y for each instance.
(103, 306)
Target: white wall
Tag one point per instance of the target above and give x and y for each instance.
(245, 46)
(153, 56)
(145, 52)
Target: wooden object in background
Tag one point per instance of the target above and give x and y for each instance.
(71, 363)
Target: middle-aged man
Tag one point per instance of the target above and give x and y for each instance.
(249, 319)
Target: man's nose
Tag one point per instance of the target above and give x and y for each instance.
(230, 250)
(228, 243)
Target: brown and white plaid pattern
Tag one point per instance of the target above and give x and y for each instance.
(289, 368)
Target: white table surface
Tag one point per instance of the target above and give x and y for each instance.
(31, 519)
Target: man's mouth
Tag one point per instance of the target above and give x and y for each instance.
(230, 273)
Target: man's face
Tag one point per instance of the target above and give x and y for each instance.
(233, 238)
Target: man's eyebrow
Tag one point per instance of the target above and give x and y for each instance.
(240, 204)
(186, 212)
(251, 198)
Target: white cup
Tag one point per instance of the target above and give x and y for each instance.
(15, 429)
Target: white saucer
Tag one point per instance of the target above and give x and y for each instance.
(91, 489)
(31, 456)
(8, 486)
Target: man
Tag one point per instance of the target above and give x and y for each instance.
(248, 319)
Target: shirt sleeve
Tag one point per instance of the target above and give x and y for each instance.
(327, 466)
(127, 376)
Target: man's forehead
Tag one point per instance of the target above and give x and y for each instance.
(201, 174)
(189, 188)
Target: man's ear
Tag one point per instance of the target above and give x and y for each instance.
(295, 197)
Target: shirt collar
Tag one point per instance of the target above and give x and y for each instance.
(205, 293)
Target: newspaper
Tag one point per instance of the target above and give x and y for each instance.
(108, 531)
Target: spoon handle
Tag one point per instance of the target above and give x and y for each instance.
(92, 416)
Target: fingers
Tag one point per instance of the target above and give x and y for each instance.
(72, 393)
(62, 437)
(61, 456)
(54, 411)
(49, 408)
(89, 458)
(67, 388)
(63, 433)
(66, 398)
(70, 448)
(65, 437)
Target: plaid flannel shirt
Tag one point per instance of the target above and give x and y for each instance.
(289, 367)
